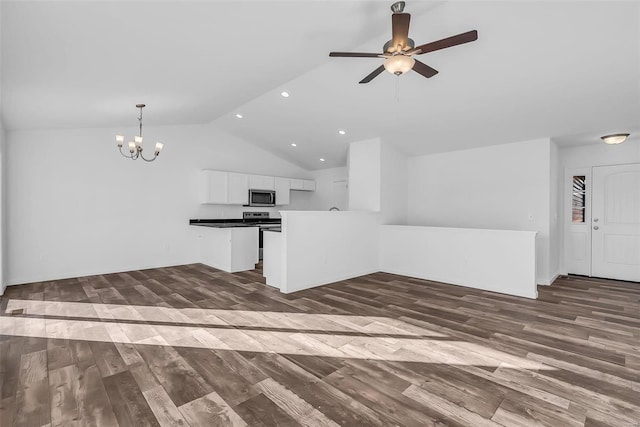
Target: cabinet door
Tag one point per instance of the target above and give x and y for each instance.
(213, 187)
(309, 185)
(261, 182)
(296, 184)
(238, 188)
(282, 191)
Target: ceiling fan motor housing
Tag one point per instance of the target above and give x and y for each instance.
(388, 46)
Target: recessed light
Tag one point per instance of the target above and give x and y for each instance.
(342, 132)
(239, 115)
(284, 94)
(293, 144)
(322, 160)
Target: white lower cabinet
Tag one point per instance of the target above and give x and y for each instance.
(230, 249)
(272, 258)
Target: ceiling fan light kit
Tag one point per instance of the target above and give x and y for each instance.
(135, 146)
(399, 64)
(399, 51)
(616, 138)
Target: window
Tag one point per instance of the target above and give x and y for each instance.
(578, 198)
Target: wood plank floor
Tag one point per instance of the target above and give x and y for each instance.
(191, 345)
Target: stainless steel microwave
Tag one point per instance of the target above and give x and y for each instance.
(262, 198)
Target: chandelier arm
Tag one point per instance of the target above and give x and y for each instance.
(145, 159)
(130, 156)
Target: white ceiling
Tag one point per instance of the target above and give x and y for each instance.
(538, 69)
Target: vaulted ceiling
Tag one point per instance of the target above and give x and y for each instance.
(538, 69)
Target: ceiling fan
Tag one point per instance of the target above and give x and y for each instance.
(398, 52)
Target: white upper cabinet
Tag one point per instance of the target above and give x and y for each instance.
(224, 188)
(303, 184)
(238, 189)
(232, 188)
(213, 187)
(261, 182)
(282, 190)
(308, 185)
(297, 184)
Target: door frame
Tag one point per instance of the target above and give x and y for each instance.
(569, 173)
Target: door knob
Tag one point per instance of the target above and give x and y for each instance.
(595, 227)
(595, 219)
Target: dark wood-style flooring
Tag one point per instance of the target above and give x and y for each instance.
(191, 345)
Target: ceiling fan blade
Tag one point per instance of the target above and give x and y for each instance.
(354, 54)
(373, 75)
(424, 69)
(400, 31)
(467, 37)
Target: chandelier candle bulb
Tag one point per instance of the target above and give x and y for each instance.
(119, 140)
(159, 146)
(132, 147)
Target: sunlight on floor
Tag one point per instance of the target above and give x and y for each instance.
(249, 331)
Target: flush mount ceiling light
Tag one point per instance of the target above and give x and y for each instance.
(284, 94)
(322, 160)
(342, 132)
(293, 144)
(135, 146)
(616, 138)
(239, 116)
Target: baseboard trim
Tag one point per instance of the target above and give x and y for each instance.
(331, 280)
(550, 282)
(531, 295)
(74, 275)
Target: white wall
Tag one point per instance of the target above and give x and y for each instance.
(555, 218)
(2, 184)
(331, 188)
(393, 185)
(2, 209)
(76, 207)
(493, 260)
(326, 247)
(600, 154)
(503, 187)
(364, 175)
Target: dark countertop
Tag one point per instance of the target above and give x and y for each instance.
(224, 225)
(229, 223)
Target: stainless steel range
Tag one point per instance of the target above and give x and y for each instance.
(262, 220)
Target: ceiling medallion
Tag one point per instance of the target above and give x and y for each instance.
(135, 146)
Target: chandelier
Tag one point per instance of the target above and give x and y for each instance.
(135, 146)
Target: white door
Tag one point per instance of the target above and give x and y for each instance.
(615, 222)
(340, 194)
